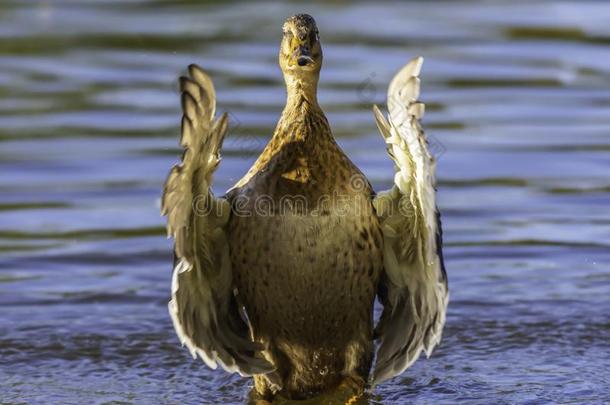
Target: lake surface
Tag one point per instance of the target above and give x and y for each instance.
(518, 115)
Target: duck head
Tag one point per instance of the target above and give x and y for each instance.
(301, 53)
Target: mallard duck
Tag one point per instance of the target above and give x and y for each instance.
(278, 278)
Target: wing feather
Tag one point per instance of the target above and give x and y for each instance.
(203, 308)
(413, 289)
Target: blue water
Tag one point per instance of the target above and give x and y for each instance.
(518, 116)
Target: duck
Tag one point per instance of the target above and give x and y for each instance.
(278, 278)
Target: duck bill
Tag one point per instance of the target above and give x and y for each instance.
(302, 57)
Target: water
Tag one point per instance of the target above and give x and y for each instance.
(519, 117)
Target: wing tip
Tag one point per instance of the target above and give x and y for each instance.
(194, 68)
(412, 68)
(419, 61)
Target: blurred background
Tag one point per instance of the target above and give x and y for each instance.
(518, 97)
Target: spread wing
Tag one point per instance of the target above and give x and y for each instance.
(413, 289)
(203, 308)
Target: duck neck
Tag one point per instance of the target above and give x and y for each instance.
(301, 90)
(302, 112)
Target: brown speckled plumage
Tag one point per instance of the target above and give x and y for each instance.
(307, 272)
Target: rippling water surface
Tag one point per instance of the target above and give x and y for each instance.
(519, 117)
